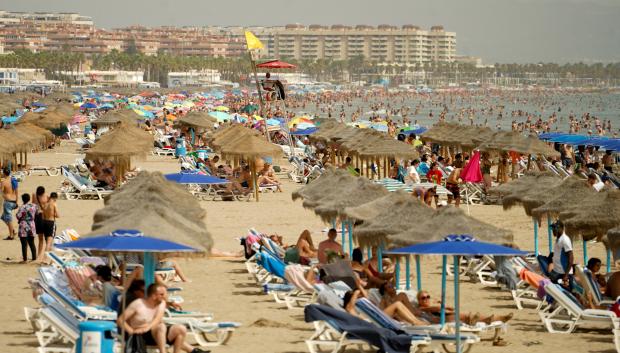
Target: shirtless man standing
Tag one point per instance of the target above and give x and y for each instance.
(48, 223)
(9, 194)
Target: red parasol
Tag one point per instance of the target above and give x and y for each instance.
(275, 64)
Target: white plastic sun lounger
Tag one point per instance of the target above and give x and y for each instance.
(566, 313)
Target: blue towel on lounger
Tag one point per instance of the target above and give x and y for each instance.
(386, 340)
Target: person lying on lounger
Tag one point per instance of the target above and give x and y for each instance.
(425, 304)
(396, 310)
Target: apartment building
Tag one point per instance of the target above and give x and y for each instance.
(384, 43)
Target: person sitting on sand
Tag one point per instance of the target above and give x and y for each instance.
(434, 309)
(397, 310)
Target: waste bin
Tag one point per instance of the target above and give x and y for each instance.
(96, 337)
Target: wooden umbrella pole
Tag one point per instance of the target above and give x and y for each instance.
(254, 179)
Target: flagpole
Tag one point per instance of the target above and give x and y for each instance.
(260, 95)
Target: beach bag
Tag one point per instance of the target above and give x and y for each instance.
(135, 344)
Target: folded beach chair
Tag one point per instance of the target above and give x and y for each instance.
(438, 337)
(590, 287)
(76, 189)
(566, 313)
(338, 330)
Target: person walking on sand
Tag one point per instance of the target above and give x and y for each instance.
(10, 191)
(26, 227)
(50, 213)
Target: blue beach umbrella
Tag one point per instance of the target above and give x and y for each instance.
(126, 240)
(195, 178)
(88, 106)
(131, 241)
(221, 116)
(456, 245)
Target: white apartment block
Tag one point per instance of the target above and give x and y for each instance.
(385, 43)
(8, 17)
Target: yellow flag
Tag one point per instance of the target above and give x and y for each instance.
(252, 41)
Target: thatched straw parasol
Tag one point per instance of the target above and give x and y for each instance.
(593, 215)
(515, 191)
(160, 222)
(151, 188)
(572, 191)
(403, 214)
(251, 147)
(451, 220)
(121, 146)
(613, 242)
(329, 183)
(359, 192)
(515, 141)
(200, 120)
(372, 209)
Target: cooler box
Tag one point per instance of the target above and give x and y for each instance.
(96, 337)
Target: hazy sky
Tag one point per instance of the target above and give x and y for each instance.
(496, 30)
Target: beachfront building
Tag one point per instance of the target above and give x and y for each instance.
(384, 43)
(107, 78)
(194, 78)
(19, 76)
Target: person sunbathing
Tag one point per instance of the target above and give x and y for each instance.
(267, 177)
(371, 268)
(396, 310)
(305, 245)
(425, 304)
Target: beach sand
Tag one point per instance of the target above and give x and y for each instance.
(223, 287)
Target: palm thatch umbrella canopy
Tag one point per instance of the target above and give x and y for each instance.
(451, 220)
(613, 241)
(109, 119)
(359, 192)
(121, 146)
(160, 222)
(404, 213)
(516, 191)
(572, 191)
(145, 187)
(329, 183)
(48, 119)
(372, 209)
(515, 141)
(593, 215)
(389, 148)
(252, 146)
(196, 119)
(228, 134)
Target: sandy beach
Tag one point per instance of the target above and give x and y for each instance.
(223, 287)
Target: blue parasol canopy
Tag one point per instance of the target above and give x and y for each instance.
(126, 240)
(465, 245)
(304, 132)
(88, 106)
(195, 178)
